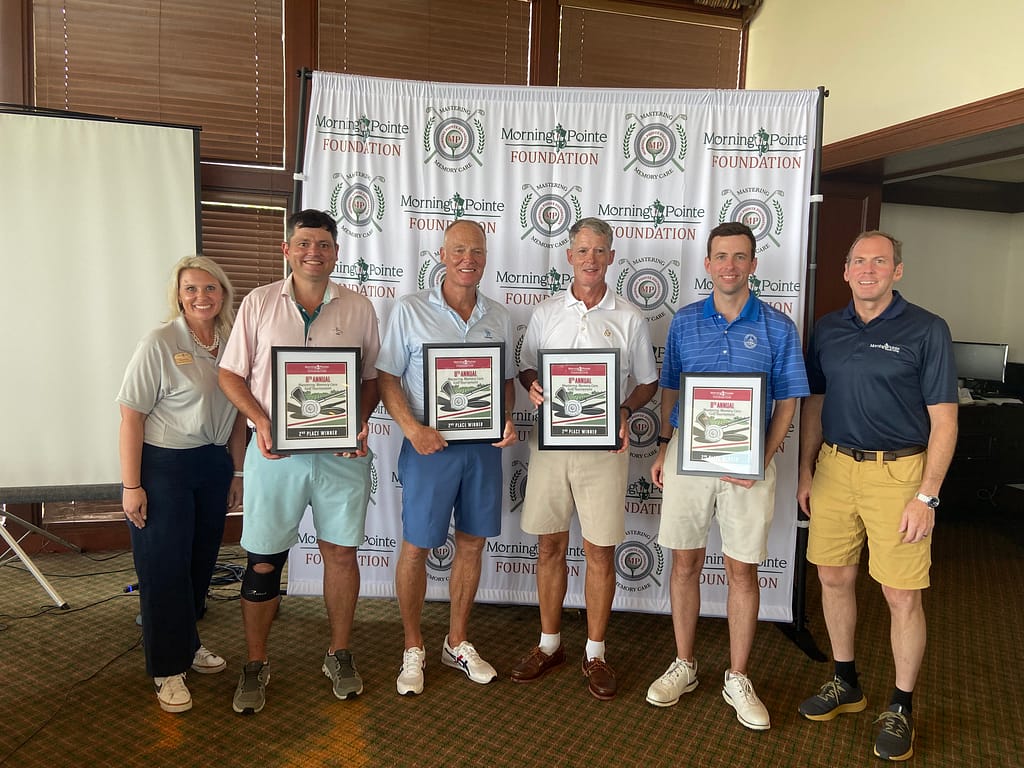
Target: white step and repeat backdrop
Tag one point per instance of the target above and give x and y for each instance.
(395, 161)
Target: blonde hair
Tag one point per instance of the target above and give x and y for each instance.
(226, 316)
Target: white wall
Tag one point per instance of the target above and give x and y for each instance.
(887, 61)
(964, 266)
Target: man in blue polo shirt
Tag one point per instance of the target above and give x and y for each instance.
(731, 331)
(876, 439)
(436, 476)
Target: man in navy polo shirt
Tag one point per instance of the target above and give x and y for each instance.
(731, 331)
(876, 438)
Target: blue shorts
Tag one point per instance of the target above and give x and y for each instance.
(465, 477)
(277, 492)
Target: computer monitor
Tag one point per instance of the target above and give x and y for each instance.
(980, 362)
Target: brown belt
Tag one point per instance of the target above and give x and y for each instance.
(859, 455)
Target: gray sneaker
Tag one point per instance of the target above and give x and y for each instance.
(339, 667)
(251, 693)
(835, 697)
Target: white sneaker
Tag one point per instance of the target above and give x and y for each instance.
(206, 662)
(172, 693)
(679, 678)
(739, 694)
(410, 676)
(464, 657)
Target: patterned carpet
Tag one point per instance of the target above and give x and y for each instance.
(73, 690)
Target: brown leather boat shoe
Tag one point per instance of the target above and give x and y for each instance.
(536, 664)
(601, 678)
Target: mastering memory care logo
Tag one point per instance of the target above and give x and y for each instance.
(434, 214)
(651, 284)
(639, 562)
(454, 138)
(440, 559)
(644, 428)
(357, 203)
(654, 221)
(759, 209)
(432, 270)
(558, 145)
(517, 485)
(762, 149)
(654, 144)
(547, 211)
(361, 135)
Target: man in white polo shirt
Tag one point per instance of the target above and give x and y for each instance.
(593, 483)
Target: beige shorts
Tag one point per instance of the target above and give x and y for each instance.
(853, 500)
(690, 502)
(592, 483)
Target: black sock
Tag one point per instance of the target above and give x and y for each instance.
(904, 698)
(847, 670)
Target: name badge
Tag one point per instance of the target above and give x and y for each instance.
(183, 358)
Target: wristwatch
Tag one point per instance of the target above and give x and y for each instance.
(931, 501)
(662, 440)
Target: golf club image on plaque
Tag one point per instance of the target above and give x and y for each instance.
(581, 399)
(722, 424)
(315, 399)
(464, 391)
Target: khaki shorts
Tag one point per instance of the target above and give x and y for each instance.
(853, 500)
(691, 501)
(593, 483)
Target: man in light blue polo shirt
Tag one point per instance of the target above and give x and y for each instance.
(732, 331)
(438, 477)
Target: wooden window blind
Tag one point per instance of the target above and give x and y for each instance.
(219, 65)
(245, 240)
(610, 44)
(485, 41)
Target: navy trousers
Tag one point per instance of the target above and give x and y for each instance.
(175, 554)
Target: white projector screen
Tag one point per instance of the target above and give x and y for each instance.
(93, 213)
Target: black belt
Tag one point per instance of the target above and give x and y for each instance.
(859, 455)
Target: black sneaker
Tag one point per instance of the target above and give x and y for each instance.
(896, 739)
(835, 697)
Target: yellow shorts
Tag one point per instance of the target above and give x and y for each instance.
(853, 500)
(592, 483)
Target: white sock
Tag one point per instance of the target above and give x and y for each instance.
(595, 650)
(550, 643)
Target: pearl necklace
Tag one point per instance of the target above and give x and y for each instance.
(208, 347)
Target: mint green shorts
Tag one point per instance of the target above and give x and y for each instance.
(277, 492)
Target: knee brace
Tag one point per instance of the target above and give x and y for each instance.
(260, 587)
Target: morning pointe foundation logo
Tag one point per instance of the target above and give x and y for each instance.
(656, 220)
(528, 288)
(357, 203)
(654, 145)
(362, 135)
(435, 214)
(762, 149)
(759, 209)
(454, 138)
(557, 145)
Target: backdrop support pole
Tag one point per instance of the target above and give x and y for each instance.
(797, 631)
(20, 554)
(300, 139)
